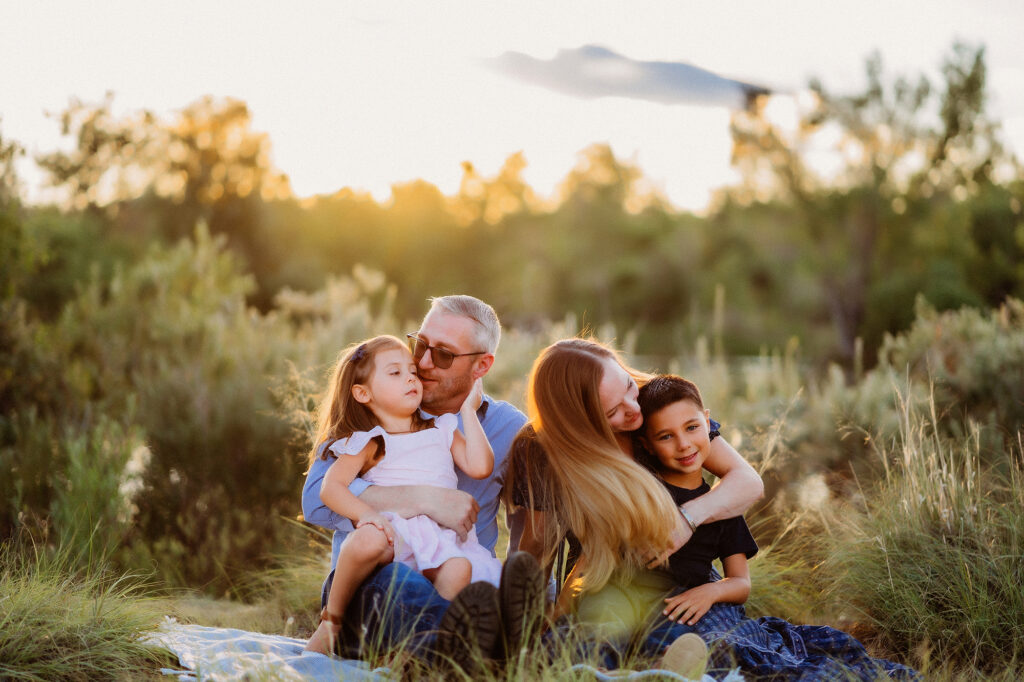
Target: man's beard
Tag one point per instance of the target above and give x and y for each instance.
(445, 389)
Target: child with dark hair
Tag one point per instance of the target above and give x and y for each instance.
(674, 442)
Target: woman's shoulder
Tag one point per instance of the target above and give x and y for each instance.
(526, 437)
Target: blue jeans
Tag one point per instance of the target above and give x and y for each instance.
(649, 644)
(395, 607)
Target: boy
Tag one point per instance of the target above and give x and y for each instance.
(676, 437)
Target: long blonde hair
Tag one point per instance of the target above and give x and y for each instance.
(339, 415)
(615, 507)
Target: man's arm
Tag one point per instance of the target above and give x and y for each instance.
(449, 507)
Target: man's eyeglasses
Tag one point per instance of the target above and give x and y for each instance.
(441, 358)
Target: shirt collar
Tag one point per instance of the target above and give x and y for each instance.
(481, 412)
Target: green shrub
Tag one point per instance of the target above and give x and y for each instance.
(975, 358)
(935, 555)
(171, 339)
(61, 623)
(96, 490)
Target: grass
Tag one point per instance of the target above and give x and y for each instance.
(923, 564)
(57, 623)
(284, 600)
(934, 560)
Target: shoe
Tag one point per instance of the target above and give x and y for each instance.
(470, 628)
(687, 655)
(523, 597)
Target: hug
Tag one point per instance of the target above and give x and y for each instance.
(412, 460)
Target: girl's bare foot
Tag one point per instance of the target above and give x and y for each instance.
(324, 639)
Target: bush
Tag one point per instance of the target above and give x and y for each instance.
(935, 555)
(975, 359)
(60, 623)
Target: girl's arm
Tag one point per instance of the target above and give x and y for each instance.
(738, 487)
(734, 588)
(335, 494)
(473, 453)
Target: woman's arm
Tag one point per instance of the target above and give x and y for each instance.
(532, 539)
(738, 487)
(570, 591)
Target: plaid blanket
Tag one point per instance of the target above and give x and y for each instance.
(771, 648)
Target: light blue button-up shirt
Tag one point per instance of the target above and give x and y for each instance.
(501, 422)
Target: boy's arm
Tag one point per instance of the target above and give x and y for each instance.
(734, 588)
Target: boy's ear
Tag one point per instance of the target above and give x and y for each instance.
(707, 417)
(361, 393)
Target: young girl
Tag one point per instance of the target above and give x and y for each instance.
(370, 420)
(674, 443)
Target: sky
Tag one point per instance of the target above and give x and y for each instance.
(367, 94)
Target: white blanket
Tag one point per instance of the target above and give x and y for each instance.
(214, 654)
(226, 654)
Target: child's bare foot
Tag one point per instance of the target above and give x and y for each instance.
(324, 639)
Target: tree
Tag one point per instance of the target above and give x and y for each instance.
(111, 159)
(896, 160)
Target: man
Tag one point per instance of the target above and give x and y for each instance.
(454, 346)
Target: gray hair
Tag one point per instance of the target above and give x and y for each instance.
(487, 330)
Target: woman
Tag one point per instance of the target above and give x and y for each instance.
(573, 470)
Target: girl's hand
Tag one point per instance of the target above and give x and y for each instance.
(475, 397)
(380, 521)
(690, 606)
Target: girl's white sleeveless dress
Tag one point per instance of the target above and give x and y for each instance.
(422, 458)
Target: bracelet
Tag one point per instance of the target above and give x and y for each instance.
(688, 518)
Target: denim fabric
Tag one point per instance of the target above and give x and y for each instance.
(611, 654)
(770, 648)
(396, 606)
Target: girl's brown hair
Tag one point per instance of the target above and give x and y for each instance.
(585, 483)
(339, 415)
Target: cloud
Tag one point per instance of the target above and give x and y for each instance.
(593, 71)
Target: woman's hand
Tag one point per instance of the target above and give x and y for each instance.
(680, 536)
(380, 521)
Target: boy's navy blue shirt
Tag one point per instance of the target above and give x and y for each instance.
(690, 565)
